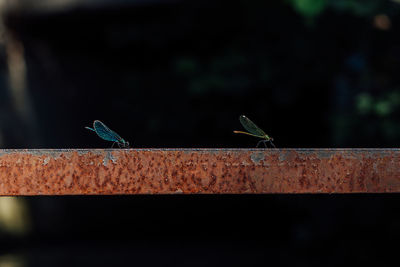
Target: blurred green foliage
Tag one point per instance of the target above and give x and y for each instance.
(312, 8)
(381, 106)
(380, 115)
(309, 8)
(223, 73)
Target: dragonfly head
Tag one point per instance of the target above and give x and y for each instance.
(125, 144)
(122, 143)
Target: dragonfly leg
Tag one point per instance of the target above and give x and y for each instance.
(113, 144)
(272, 144)
(261, 141)
(265, 143)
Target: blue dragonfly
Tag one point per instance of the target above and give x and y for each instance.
(106, 133)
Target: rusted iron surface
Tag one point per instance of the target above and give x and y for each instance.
(188, 171)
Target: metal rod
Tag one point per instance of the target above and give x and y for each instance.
(198, 171)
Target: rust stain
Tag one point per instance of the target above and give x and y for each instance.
(198, 171)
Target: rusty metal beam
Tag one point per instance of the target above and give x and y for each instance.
(197, 171)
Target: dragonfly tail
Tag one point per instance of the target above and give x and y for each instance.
(240, 132)
(90, 129)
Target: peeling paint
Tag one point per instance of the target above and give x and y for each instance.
(256, 157)
(46, 160)
(109, 157)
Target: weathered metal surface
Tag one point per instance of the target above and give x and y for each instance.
(191, 171)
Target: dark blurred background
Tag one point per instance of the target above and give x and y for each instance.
(311, 73)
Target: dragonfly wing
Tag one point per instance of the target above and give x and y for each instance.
(105, 133)
(250, 126)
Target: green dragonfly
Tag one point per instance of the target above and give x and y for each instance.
(255, 131)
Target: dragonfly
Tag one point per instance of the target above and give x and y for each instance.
(254, 130)
(106, 133)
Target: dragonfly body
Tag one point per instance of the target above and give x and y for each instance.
(107, 134)
(254, 130)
